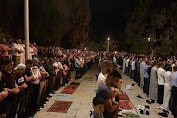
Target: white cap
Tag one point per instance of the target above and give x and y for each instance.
(20, 66)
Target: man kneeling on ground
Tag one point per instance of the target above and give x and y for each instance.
(105, 91)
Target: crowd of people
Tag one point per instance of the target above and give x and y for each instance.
(157, 76)
(106, 102)
(26, 85)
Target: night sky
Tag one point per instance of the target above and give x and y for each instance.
(110, 16)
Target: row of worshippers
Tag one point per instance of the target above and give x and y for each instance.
(157, 78)
(109, 88)
(25, 89)
(15, 49)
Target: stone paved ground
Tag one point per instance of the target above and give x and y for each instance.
(82, 99)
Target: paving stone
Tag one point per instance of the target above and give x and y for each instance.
(83, 96)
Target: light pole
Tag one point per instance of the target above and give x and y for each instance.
(26, 28)
(108, 44)
(152, 51)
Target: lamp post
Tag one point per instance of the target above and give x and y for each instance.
(26, 28)
(108, 44)
(152, 51)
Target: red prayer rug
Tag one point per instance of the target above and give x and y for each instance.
(60, 106)
(125, 102)
(70, 89)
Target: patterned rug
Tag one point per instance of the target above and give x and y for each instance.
(70, 89)
(60, 106)
(125, 102)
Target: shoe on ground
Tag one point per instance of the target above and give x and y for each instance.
(148, 101)
(163, 114)
(165, 111)
(138, 96)
(152, 101)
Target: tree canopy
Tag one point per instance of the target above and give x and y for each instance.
(52, 22)
(152, 29)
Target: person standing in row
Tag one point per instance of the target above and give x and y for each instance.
(167, 87)
(142, 73)
(3, 94)
(153, 88)
(174, 92)
(161, 81)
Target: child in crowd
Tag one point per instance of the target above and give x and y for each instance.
(98, 105)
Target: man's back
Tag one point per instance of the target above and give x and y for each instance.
(105, 92)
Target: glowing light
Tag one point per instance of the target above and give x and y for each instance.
(149, 39)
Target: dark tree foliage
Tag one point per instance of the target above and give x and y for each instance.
(153, 29)
(52, 22)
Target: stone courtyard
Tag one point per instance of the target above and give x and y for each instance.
(82, 98)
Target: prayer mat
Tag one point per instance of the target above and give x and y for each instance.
(128, 114)
(62, 95)
(125, 102)
(70, 89)
(60, 106)
(123, 97)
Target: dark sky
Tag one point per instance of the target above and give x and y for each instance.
(109, 16)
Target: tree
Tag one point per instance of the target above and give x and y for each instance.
(159, 25)
(52, 22)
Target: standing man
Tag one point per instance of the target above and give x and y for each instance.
(77, 66)
(20, 80)
(153, 87)
(174, 91)
(3, 95)
(146, 78)
(142, 72)
(161, 82)
(17, 52)
(9, 80)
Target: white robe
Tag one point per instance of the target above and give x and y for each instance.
(142, 74)
(22, 55)
(123, 70)
(167, 90)
(153, 88)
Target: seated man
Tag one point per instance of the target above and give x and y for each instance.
(105, 91)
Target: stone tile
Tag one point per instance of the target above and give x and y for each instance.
(155, 116)
(83, 96)
(83, 114)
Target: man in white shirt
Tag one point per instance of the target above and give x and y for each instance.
(22, 54)
(106, 67)
(142, 72)
(161, 82)
(132, 68)
(126, 66)
(35, 83)
(17, 52)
